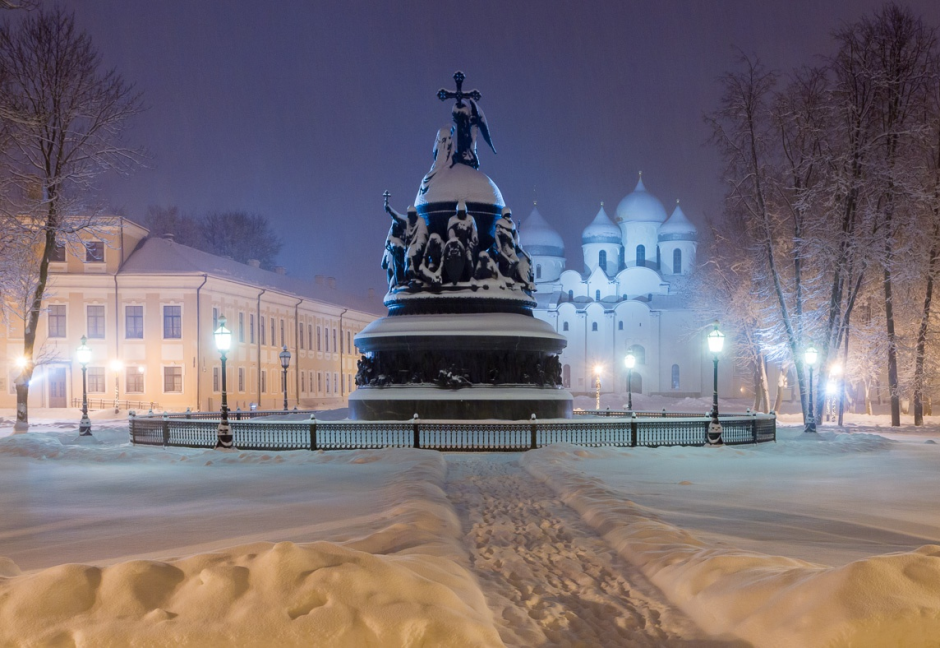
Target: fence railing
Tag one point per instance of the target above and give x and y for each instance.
(109, 403)
(197, 430)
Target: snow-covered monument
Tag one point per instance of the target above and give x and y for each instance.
(460, 339)
(627, 299)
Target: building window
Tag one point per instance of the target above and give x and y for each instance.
(620, 325)
(319, 382)
(57, 321)
(134, 380)
(264, 381)
(677, 261)
(215, 379)
(283, 339)
(564, 326)
(597, 295)
(134, 322)
(215, 318)
(300, 336)
(318, 339)
(326, 339)
(310, 380)
(327, 383)
(95, 377)
(602, 259)
(337, 385)
(593, 326)
(538, 270)
(273, 333)
(566, 376)
(675, 376)
(172, 322)
(94, 252)
(58, 253)
(241, 379)
(310, 337)
(241, 327)
(172, 380)
(348, 342)
(639, 353)
(95, 322)
(261, 330)
(251, 328)
(641, 255)
(348, 383)
(303, 384)
(570, 295)
(334, 343)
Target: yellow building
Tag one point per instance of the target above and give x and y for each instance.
(148, 307)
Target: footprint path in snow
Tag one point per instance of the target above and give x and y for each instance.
(547, 576)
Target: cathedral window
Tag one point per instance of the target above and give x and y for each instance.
(639, 353)
(677, 261)
(641, 255)
(593, 326)
(564, 327)
(620, 325)
(570, 295)
(675, 376)
(597, 295)
(602, 259)
(538, 271)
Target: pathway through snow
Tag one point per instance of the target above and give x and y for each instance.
(548, 578)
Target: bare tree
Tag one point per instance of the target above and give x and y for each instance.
(63, 117)
(241, 236)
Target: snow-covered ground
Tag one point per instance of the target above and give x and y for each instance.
(803, 542)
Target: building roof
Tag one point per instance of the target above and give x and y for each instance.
(641, 206)
(601, 230)
(163, 256)
(677, 227)
(539, 238)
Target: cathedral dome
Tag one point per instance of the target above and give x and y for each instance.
(539, 238)
(601, 230)
(641, 206)
(459, 183)
(678, 227)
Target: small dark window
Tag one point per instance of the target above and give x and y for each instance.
(538, 271)
(677, 261)
(597, 295)
(134, 322)
(251, 328)
(94, 252)
(262, 327)
(58, 253)
(593, 326)
(172, 379)
(96, 322)
(172, 324)
(570, 295)
(641, 255)
(241, 329)
(564, 327)
(602, 259)
(57, 321)
(620, 325)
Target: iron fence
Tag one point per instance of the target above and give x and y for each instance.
(199, 430)
(110, 403)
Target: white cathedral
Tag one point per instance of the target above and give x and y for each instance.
(626, 299)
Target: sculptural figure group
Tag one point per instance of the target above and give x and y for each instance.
(415, 259)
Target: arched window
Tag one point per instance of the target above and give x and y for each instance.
(570, 295)
(593, 326)
(564, 327)
(538, 271)
(675, 376)
(677, 261)
(639, 353)
(602, 259)
(566, 376)
(641, 255)
(597, 295)
(620, 325)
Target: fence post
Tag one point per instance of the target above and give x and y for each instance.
(166, 429)
(416, 441)
(774, 414)
(633, 430)
(313, 431)
(189, 413)
(533, 429)
(664, 412)
(238, 413)
(130, 424)
(754, 427)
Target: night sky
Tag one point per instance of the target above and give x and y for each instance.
(306, 112)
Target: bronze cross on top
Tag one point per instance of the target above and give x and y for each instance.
(459, 95)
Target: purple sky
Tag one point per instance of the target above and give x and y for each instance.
(307, 111)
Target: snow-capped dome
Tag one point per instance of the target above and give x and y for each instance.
(678, 227)
(459, 182)
(539, 238)
(641, 206)
(601, 230)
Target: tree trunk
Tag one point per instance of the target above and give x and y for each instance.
(933, 266)
(889, 319)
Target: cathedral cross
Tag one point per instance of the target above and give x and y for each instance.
(459, 94)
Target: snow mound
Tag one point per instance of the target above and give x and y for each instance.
(892, 599)
(827, 443)
(282, 594)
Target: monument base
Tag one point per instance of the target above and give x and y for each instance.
(400, 402)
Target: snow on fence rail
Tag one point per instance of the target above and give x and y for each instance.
(198, 430)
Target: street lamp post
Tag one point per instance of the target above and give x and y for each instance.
(716, 342)
(223, 342)
(83, 356)
(284, 355)
(810, 357)
(630, 362)
(116, 366)
(597, 387)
